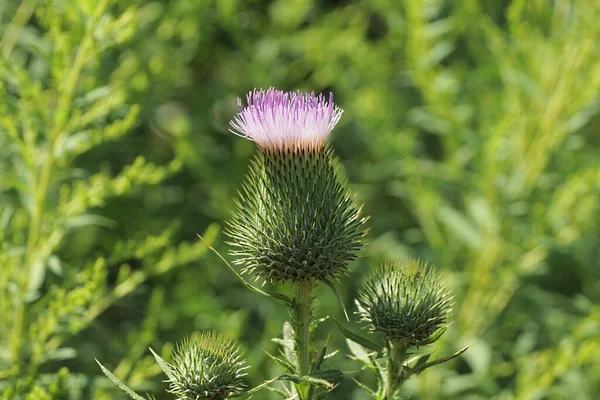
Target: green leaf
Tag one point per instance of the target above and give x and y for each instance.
(63, 353)
(437, 334)
(317, 381)
(274, 295)
(330, 375)
(90, 220)
(424, 366)
(283, 363)
(421, 361)
(461, 227)
(359, 352)
(337, 296)
(119, 384)
(266, 383)
(163, 365)
(317, 364)
(359, 339)
(365, 387)
(322, 355)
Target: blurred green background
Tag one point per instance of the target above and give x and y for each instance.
(470, 132)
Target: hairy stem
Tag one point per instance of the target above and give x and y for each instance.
(303, 299)
(395, 376)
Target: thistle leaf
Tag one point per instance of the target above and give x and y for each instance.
(337, 296)
(420, 362)
(266, 383)
(119, 384)
(355, 337)
(330, 375)
(317, 381)
(426, 365)
(359, 352)
(365, 387)
(276, 296)
(290, 368)
(163, 365)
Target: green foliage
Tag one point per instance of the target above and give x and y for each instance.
(406, 302)
(65, 99)
(294, 220)
(470, 133)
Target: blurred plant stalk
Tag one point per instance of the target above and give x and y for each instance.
(55, 138)
(303, 310)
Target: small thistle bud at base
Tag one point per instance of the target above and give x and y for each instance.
(207, 366)
(406, 302)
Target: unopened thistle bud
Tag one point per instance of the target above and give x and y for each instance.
(406, 302)
(207, 366)
(295, 220)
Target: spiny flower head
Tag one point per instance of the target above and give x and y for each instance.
(280, 120)
(406, 302)
(207, 366)
(295, 221)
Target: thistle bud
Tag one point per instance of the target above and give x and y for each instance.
(295, 221)
(406, 302)
(207, 366)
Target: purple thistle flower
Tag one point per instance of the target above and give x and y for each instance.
(286, 120)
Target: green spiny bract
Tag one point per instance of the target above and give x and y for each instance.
(295, 221)
(207, 366)
(406, 302)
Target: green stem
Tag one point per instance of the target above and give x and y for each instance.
(14, 29)
(43, 183)
(303, 299)
(395, 376)
(30, 256)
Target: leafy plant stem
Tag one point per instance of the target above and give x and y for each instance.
(395, 376)
(43, 183)
(30, 256)
(303, 303)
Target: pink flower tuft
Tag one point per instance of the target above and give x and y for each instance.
(278, 120)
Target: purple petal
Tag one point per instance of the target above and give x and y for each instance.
(286, 120)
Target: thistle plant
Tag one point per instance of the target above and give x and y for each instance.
(295, 221)
(409, 306)
(207, 366)
(406, 302)
(297, 224)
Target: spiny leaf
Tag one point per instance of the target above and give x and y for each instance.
(441, 360)
(163, 365)
(358, 338)
(359, 352)
(119, 384)
(321, 357)
(329, 375)
(337, 296)
(277, 296)
(421, 361)
(317, 381)
(268, 382)
(365, 387)
(283, 363)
